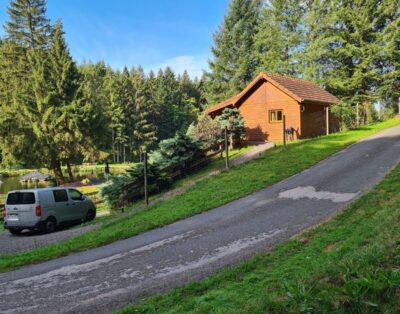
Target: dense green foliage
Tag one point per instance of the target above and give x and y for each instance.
(179, 150)
(346, 265)
(68, 114)
(233, 121)
(209, 193)
(279, 37)
(232, 66)
(206, 130)
(351, 48)
(128, 187)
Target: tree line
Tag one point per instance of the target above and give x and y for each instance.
(351, 48)
(54, 112)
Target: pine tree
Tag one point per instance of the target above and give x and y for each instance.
(165, 97)
(144, 133)
(117, 114)
(95, 112)
(352, 48)
(28, 25)
(280, 37)
(233, 66)
(127, 100)
(66, 101)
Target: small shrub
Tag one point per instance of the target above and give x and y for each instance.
(233, 120)
(181, 149)
(208, 131)
(129, 187)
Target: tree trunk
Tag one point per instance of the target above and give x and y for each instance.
(70, 174)
(124, 154)
(113, 145)
(56, 167)
(118, 152)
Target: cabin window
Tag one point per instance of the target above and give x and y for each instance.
(275, 115)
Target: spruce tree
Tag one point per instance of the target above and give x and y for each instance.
(95, 113)
(28, 25)
(280, 37)
(352, 47)
(232, 65)
(165, 99)
(144, 134)
(127, 100)
(66, 101)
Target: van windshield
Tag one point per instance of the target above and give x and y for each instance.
(19, 198)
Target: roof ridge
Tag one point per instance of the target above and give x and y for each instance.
(299, 89)
(290, 77)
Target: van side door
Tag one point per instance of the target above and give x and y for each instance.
(62, 206)
(78, 204)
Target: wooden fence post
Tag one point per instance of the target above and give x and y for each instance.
(357, 115)
(146, 196)
(226, 148)
(327, 120)
(284, 130)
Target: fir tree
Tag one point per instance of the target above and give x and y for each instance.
(28, 25)
(66, 100)
(280, 37)
(352, 48)
(232, 66)
(95, 112)
(144, 134)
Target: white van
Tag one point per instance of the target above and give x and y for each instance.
(45, 209)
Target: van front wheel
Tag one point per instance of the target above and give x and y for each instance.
(50, 225)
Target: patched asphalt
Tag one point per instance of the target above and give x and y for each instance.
(109, 277)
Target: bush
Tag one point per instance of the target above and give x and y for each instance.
(208, 131)
(233, 120)
(181, 149)
(129, 187)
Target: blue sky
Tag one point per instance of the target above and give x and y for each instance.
(153, 33)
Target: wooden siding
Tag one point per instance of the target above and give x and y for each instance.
(313, 121)
(255, 111)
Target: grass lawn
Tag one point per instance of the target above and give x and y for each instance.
(211, 192)
(350, 264)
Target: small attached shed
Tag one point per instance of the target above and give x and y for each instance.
(269, 97)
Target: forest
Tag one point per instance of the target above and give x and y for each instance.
(56, 112)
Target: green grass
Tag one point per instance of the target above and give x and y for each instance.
(350, 264)
(217, 163)
(275, 165)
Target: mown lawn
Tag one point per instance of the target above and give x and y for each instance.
(350, 264)
(273, 166)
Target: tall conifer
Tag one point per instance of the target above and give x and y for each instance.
(232, 65)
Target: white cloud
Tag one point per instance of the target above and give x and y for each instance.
(194, 65)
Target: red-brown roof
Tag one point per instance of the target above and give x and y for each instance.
(300, 90)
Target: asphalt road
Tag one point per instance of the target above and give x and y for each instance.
(109, 277)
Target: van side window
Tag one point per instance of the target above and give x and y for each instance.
(60, 196)
(75, 195)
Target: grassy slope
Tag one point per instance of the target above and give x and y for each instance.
(348, 264)
(209, 193)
